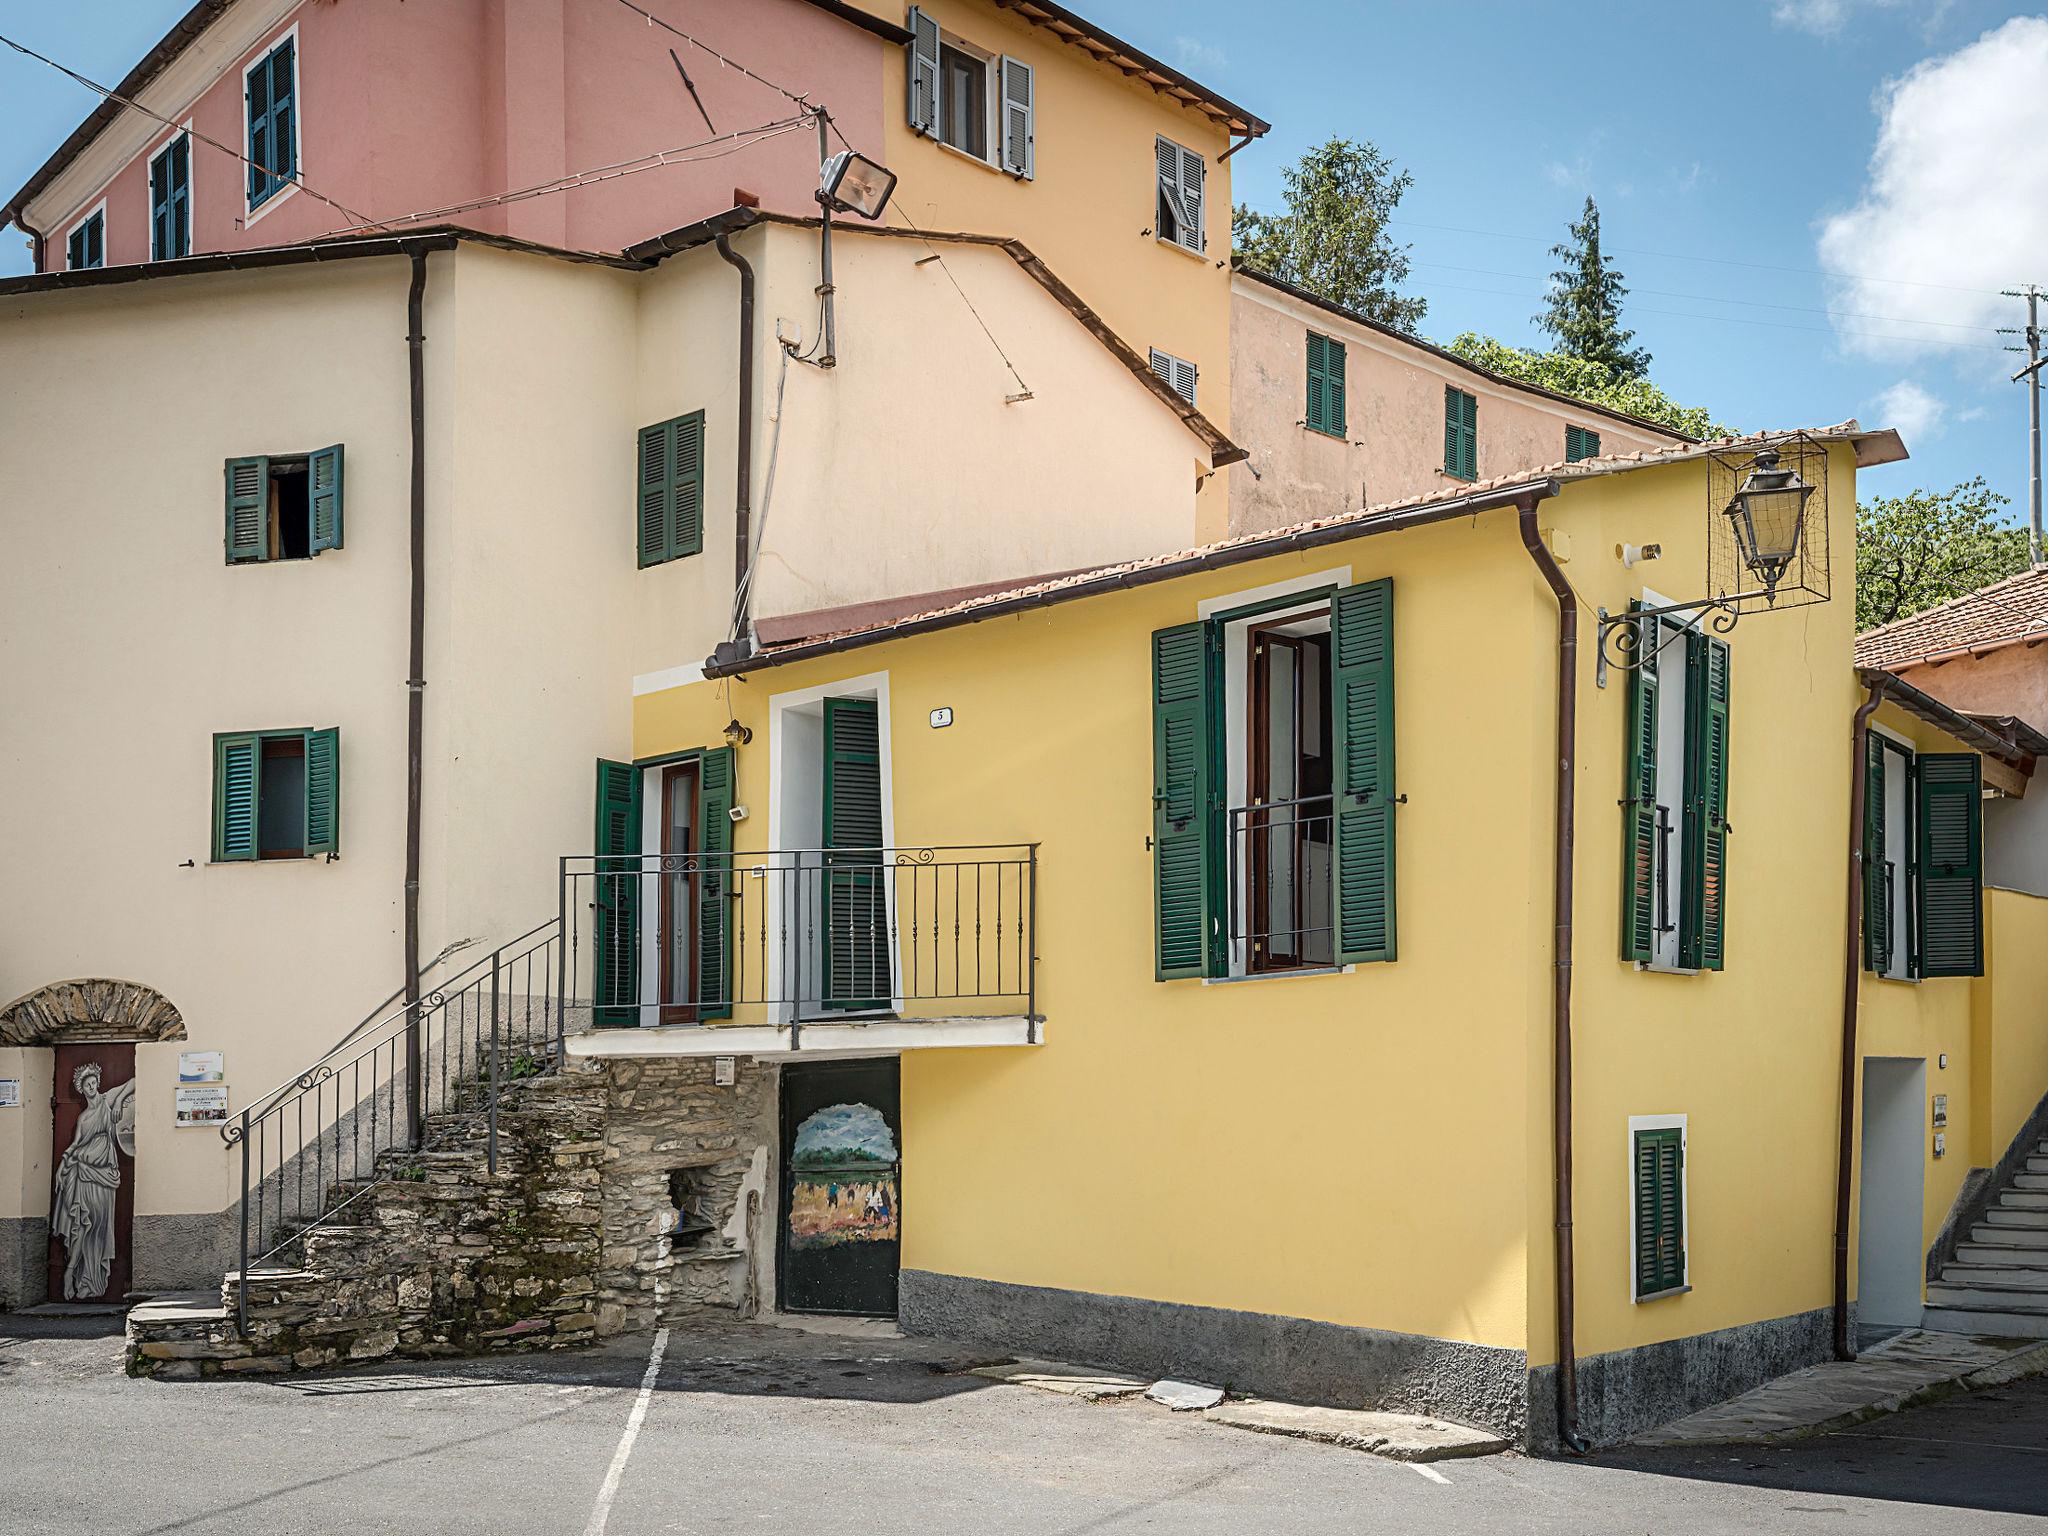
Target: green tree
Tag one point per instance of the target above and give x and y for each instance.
(1589, 381)
(1332, 239)
(1925, 547)
(1584, 311)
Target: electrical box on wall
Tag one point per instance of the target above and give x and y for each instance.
(1941, 1143)
(1941, 1109)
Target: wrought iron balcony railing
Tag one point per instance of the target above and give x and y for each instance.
(1280, 877)
(800, 936)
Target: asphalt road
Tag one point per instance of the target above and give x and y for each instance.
(756, 1428)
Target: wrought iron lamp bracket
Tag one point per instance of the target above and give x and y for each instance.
(1621, 634)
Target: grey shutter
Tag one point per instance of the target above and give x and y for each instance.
(1192, 172)
(1176, 373)
(922, 72)
(324, 471)
(323, 791)
(1019, 119)
(248, 509)
(1362, 707)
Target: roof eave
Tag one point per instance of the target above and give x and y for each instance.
(1944, 717)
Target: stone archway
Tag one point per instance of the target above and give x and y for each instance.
(72, 1012)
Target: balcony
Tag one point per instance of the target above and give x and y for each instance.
(800, 950)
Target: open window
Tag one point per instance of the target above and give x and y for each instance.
(276, 795)
(1273, 804)
(283, 506)
(1178, 217)
(1923, 894)
(980, 103)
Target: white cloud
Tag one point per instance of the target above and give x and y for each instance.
(1194, 56)
(1915, 412)
(1955, 204)
(1827, 18)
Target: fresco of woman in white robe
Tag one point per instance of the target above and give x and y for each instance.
(88, 1179)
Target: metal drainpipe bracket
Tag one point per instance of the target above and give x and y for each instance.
(1600, 651)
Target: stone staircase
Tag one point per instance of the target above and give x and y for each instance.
(1998, 1284)
(438, 1255)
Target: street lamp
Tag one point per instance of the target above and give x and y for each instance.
(1768, 517)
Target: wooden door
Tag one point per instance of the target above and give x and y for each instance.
(92, 1204)
(682, 892)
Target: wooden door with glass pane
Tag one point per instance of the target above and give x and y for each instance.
(1287, 825)
(682, 892)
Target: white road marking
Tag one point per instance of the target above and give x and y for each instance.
(1423, 1470)
(603, 1510)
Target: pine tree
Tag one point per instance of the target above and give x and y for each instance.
(1585, 303)
(1333, 238)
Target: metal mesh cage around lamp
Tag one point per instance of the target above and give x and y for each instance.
(1767, 525)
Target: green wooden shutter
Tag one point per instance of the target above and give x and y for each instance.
(1186, 773)
(1950, 792)
(1639, 801)
(1877, 907)
(234, 796)
(715, 790)
(616, 981)
(248, 508)
(1660, 1211)
(1703, 907)
(323, 792)
(657, 492)
(857, 946)
(1362, 707)
(1461, 434)
(1581, 443)
(1333, 387)
(1317, 419)
(686, 536)
(324, 491)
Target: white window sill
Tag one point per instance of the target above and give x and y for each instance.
(1175, 245)
(969, 156)
(1676, 1290)
(1307, 970)
(261, 211)
(1653, 968)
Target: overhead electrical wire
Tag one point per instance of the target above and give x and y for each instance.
(801, 98)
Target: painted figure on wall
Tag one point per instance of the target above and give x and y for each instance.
(844, 1190)
(89, 1181)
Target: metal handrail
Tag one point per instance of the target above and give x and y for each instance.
(1247, 822)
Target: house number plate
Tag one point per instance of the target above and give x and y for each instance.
(942, 717)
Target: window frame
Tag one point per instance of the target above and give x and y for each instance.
(182, 133)
(991, 104)
(1638, 1125)
(97, 211)
(306, 736)
(256, 206)
(1904, 908)
(334, 453)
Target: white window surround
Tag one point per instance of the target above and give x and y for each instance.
(991, 100)
(1659, 1123)
(171, 137)
(251, 217)
(99, 210)
(1671, 705)
(1899, 810)
(796, 804)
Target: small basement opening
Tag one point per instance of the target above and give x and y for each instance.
(687, 1193)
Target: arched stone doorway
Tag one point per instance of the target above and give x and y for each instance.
(71, 1237)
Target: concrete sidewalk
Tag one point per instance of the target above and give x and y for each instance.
(1909, 1368)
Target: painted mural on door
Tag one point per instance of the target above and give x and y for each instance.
(842, 1203)
(92, 1197)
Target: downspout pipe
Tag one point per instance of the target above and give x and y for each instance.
(415, 682)
(743, 473)
(38, 243)
(1852, 978)
(1563, 848)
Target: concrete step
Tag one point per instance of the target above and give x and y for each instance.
(2037, 1182)
(1967, 1274)
(2025, 1200)
(2024, 1297)
(2002, 1255)
(2009, 1237)
(2004, 1325)
(2037, 1165)
(2016, 1217)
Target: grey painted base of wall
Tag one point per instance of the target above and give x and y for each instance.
(1286, 1357)
(1630, 1390)
(24, 1261)
(185, 1252)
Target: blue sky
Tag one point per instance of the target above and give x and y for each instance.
(1813, 201)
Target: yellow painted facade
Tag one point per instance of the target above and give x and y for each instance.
(1090, 208)
(1373, 1147)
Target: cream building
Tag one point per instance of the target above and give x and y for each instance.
(211, 646)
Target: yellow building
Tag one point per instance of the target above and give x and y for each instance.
(1196, 1076)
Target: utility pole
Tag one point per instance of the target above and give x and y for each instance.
(2032, 374)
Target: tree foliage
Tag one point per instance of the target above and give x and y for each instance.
(1584, 311)
(1588, 381)
(1332, 239)
(1925, 547)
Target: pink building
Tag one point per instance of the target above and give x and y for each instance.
(376, 111)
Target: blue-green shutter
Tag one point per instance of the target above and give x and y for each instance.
(1461, 434)
(1639, 800)
(857, 938)
(235, 791)
(1950, 792)
(616, 982)
(1580, 443)
(1703, 907)
(1659, 1211)
(715, 791)
(323, 791)
(248, 509)
(1325, 385)
(1187, 772)
(670, 503)
(272, 93)
(323, 471)
(1362, 683)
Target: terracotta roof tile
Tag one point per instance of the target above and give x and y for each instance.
(2005, 613)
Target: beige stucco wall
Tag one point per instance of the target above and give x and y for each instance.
(2012, 680)
(1394, 417)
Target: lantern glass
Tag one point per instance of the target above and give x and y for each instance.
(852, 183)
(1769, 516)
